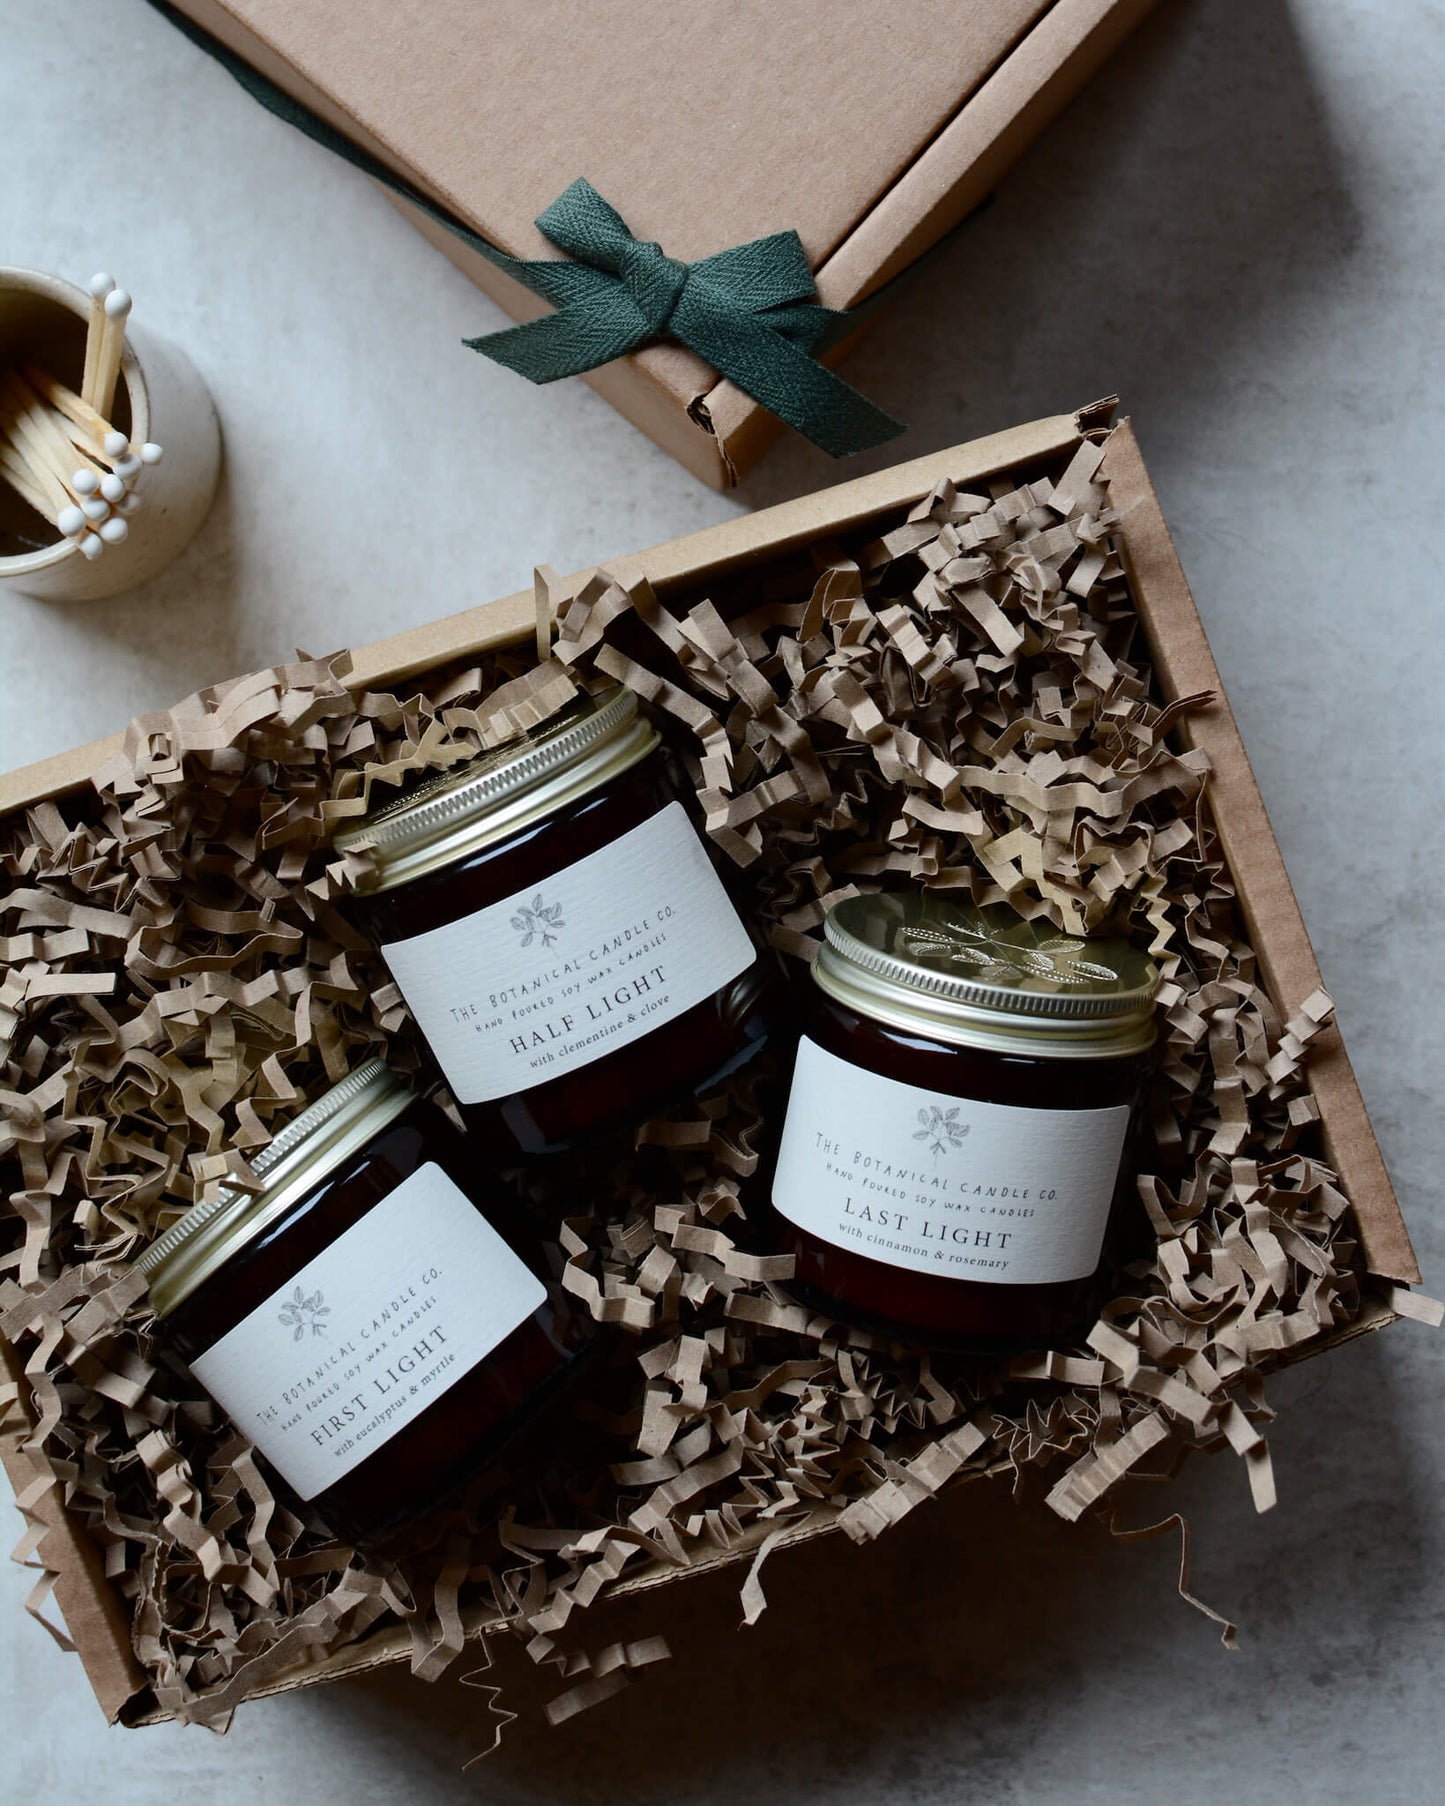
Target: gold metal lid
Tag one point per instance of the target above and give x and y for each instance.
(921, 961)
(508, 787)
(313, 1144)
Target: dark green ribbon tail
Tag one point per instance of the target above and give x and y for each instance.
(752, 312)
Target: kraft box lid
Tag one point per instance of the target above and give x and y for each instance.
(871, 130)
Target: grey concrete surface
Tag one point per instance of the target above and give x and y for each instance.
(1239, 229)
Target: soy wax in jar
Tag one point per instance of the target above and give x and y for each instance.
(958, 1119)
(372, 1320)
(561, 933)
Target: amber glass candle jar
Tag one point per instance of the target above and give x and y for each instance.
(363, 1320)
(560, 931)
(958, 1119)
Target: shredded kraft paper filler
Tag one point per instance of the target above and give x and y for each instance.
(963, 702)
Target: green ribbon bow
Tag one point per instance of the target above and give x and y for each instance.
(752, 313)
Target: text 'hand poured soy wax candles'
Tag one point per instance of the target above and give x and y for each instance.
(959, 1118)
(560, 931)
(371, 1320)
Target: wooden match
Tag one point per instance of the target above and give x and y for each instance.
(112, 345)
(100, 286)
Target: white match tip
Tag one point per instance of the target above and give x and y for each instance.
(117, 304)
(127, 467)
(114, 530)
(85, 482)
(151, 453)
(91, 546)
(101, 284)
(95, 509)
(111, 487)
(115, 445)
(130, 505)
(70, 521)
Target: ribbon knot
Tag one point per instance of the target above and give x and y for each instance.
(654, 280)
(751, 312)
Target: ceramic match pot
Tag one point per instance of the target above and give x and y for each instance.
(159, 397)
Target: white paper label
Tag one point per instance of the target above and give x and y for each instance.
(921, 1180)
(563, 972)
(370, 1333)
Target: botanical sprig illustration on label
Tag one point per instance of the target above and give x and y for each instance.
(303, 1311)
(991, 956)
(941, 1128)
(538, 921)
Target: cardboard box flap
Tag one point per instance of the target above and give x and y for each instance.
(971, 152)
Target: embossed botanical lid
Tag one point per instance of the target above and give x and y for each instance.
(503, 789)
(924, 961)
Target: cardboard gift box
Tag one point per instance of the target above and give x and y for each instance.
(744, 549)
(871, 131)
